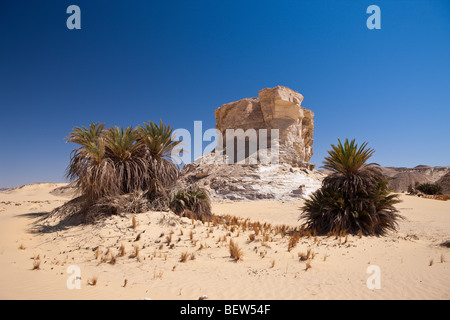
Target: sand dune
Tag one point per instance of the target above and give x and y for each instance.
(267, 271)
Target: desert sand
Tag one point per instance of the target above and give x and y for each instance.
(413, 264)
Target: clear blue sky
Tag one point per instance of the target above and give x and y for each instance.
(135, 61)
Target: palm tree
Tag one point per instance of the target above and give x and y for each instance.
(161, 145)
(88, 166)
(117, 161)
(127, 158)
(354, 197)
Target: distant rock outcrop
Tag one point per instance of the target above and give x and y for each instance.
(401, 181)
(444, 182)
(401, 178)
(275, 108)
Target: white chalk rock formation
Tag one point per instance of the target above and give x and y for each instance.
(251, 182)
(292, 177)
(275, 108)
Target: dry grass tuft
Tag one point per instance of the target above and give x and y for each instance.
(105, 258)
(252, 237)
(113, 259)
(295, 238)
(302, 256)
(122, 251)
(184, 257)
(158, 275)
(306, 256)
(22, 247)
(236, 253)
(442, 258)
(308, 253)
(36, 265)
(134, 223)
(431, 262)
(272, 265)
(308, 266)
(135, 254)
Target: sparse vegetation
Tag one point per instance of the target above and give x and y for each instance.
(113, 260)
(135, 254)
(430, 189)
(122, 251)
(308, 266)
(236, 253)
(441, 197)
(294, 239)
(184, 257)
(305, 256)
(194, 203)
(36, 264)
(97, 253)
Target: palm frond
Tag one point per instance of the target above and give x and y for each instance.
(159, 139)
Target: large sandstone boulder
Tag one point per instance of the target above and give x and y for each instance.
(275, 108)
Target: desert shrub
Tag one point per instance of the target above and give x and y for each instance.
(430, 189)
(195, 200)
(354, 198)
